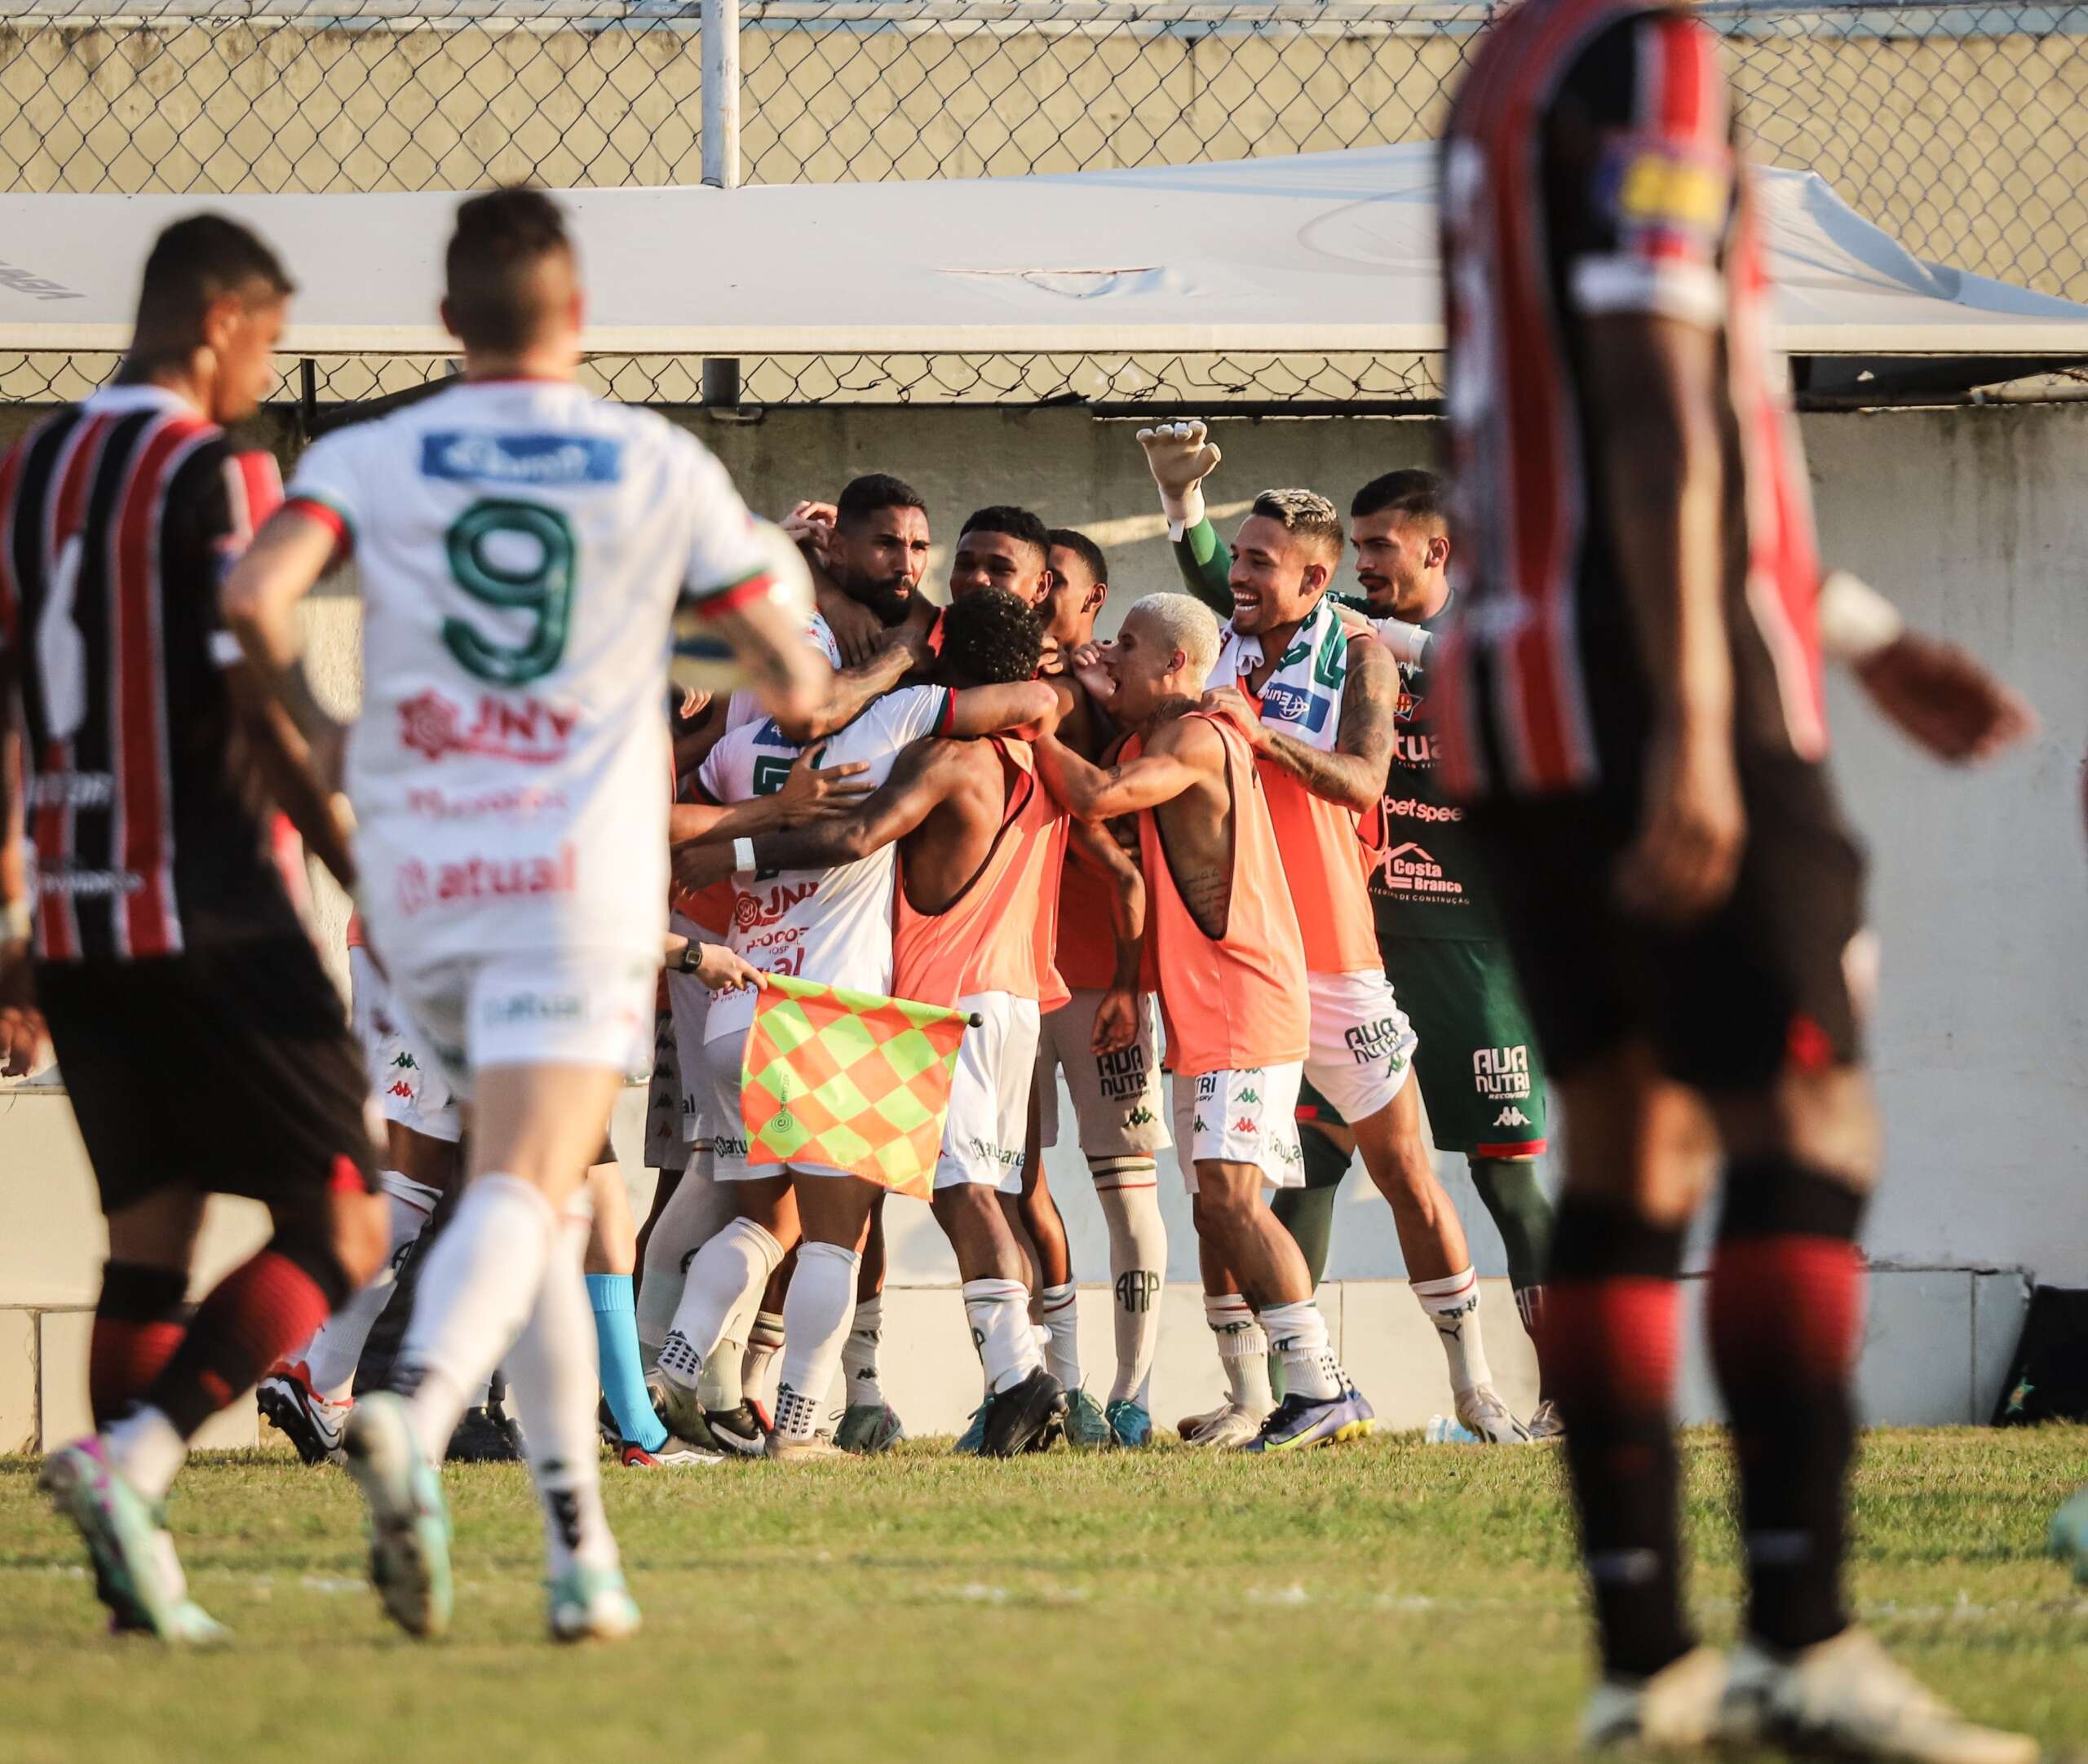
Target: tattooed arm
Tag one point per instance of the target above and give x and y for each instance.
(1353, 775)
(1092, 792)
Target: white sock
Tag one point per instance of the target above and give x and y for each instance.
(554, 1379)
(1128, 1190)
(858, 1353)
(147, 1451)
(698, 1209)
(999, 1314)
(816, 1312)
(1243, 1352)
(1298, 1335)
(1058, 1309)
(764, 1344)
(723, 1385)
(741, 1256)
(1452, 1306)
(475, 1293)
(332, 1353)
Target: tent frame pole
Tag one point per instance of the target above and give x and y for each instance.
(721, 156)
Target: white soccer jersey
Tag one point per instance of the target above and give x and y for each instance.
(743, 707)
(522, 547)
(833, 926)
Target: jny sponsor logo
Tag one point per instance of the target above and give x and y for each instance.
(480, 878)
(1501, 1074)
(527, 731)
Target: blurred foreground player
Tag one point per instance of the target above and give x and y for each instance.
(1632, 693)
(161, 921)
(524, 550)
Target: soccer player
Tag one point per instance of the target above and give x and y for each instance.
(169, 959)
(1232, 964)
(1632, 702)
(1006, 548)
(1318, 705)
(829, 921)
(870, 551)
(980, 842)
(524, 552)
(1106, 1037)
(1438, 936)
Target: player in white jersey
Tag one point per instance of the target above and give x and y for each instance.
(525, 552)
(833, 926)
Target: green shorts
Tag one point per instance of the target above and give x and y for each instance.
(1480, 1073)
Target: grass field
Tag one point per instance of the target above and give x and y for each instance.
(1388, 1601)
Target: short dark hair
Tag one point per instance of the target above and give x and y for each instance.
(1083, 548)
(202, 259)
(500, 239)
(1412, 495)
(1017, 524)
(992, 638)
(1302, 511)
(872, 493)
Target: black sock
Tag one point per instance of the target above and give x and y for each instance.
(1611, 1334)
(1784, 1316)
(1521, 1212)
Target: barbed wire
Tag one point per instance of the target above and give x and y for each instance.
(1962, 130)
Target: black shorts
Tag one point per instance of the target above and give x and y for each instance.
(230, 1069)
(1727, 1003)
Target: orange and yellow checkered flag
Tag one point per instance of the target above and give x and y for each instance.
(850, 1080)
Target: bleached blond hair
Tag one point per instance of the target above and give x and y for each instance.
(1183, 623)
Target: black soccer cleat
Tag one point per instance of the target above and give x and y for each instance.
(1023, 1413)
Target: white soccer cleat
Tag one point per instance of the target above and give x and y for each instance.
(1489, 1418)
(591, 1605)
(1226, 1430)
(1546, 1422)
(408, 1525)
(1848, 1697)
(1675, 1710)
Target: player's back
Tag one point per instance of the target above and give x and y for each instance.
(522, 546)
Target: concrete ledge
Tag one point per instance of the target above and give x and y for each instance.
(1936, 1346)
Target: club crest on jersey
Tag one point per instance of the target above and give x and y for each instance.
(535, 459)
(527, 731)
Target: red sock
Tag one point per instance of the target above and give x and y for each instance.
(256, 1314)
(138, 1324)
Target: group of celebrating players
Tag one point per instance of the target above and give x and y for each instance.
(1224, 843)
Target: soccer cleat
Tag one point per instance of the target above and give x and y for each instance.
(136, 1573)
(1300, 1422)
(592, 1605)
(298, 1412)
(486, 1435)
(1087, 1428)
(783, 1448)
(1675, 1710)
(676, 1454)
(1190, 1425)
(2068, 1537)
(741, 1431)
(972, 1441)
(1491, 1419)
(1848, 1697)
(1021, 1413)
(869, 1428)
(1129, 1423)
(409, 1527)
(1546, 1422)
(1223, 1429)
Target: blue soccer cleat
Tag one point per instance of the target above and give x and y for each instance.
(136, 1574)
(1301, 1422)
(2068, 1539)
(1131, 1423)
(971, 1443)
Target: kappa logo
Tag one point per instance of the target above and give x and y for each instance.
(1512, 1117)
(403, 1061)
(1199, 1126)
(1140, 1117)
(401, 1089)
(1248, 1125)
(1249, 1097)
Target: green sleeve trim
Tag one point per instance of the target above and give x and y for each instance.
(1207, 566)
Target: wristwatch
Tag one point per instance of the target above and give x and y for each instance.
(691, 958)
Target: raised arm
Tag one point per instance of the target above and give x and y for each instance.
(990, 709)
(1089, 792)
(1180, 455)
(1353, 775)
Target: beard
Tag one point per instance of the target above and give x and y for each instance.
(890, 599)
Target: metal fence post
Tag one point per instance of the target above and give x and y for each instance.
(721, 152)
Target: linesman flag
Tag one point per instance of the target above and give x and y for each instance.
(853, 1080)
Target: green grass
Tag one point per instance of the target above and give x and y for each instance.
(1389, 1601)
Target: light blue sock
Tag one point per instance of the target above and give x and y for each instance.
(623, 1378)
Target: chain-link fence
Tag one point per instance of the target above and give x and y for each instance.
(1962, 130)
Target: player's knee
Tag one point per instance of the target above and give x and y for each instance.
(339, 1240)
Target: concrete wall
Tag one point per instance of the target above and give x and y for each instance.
(1971, 519)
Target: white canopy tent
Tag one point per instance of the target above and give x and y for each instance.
(1324, 252)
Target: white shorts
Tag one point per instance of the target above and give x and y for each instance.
(724, 1125)
(689, 1000)
(1117, 1101)
(990, 1095)
(1360, 1048)
(1245, 1116)
(547, 1007)
(404, 1077)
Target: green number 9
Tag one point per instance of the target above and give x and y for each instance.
(545, 588)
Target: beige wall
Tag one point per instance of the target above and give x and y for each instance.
(1972, 150)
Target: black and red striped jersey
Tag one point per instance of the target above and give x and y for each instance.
(1591, 168)
(118, 518)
